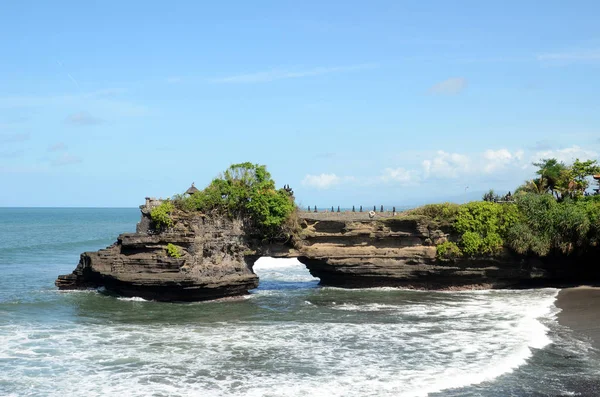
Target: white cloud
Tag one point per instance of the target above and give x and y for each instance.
(456, 165)
(322, 181)
(278, 74)
(498, 166)
(451, 86)
(567, 155)
(446, 165)
(495, 160)
(400, 175)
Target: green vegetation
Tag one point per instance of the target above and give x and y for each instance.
(448, 250)
(491, 196)
(560, 180)
(548, 226)
(245, 191)
(550, 215)
(482, 226)
(161, 215)
(174, 251)
(439, 215)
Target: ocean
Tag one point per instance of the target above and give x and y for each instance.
(289, 337)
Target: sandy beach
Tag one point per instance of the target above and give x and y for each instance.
(581, 311)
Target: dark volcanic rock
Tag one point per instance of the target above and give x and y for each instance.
(355, 252)
(346, 251)
(212, 264)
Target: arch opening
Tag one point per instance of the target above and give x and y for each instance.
(282, 274)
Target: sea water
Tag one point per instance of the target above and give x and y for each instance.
(289, 337)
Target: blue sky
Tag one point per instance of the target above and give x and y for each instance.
(350, 103)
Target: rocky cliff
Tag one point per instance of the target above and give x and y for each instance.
(401, 252)
(344, 250)
(212, 261)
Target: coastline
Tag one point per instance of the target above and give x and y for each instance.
(580, 311)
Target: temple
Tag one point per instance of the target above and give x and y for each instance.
(192, 189)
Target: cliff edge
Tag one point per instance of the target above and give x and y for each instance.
(202, 257)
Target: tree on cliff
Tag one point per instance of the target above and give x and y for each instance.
(574, 180)
(561, 180)
(550, 171)
(247, 191)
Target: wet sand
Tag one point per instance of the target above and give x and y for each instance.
(581, 311)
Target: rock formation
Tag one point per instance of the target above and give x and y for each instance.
(401, 252)
(212, 262)
(342, 249)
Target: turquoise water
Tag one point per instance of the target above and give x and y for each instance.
(290, 337)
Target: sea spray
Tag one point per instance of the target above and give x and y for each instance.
(290, 337)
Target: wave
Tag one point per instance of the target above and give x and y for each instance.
(281, 271)
(267, 263)
(133, 299)
(388, 350)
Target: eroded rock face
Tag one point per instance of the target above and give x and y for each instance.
(344, 250)
(212, 265)
(360, 252)
(399, 253)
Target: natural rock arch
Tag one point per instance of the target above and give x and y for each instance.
(344, 250)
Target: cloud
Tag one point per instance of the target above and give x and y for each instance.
(66, 159)
(491, 166)
(446, 165)
(499, 159)
(452, 86)
(82, 118)
(174, 80)
(496, 162)
(278, 74)
(584, 55)
(57, 147)
(322, 181)
(567, 155)
(456, 165)
(12, 138)
(400, 175)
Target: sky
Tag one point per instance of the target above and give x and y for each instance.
(348, 102)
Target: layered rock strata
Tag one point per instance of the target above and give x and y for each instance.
(344, 250)
(353, 252)
(212, 262)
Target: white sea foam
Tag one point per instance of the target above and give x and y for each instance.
(133, 299)
(282, 269)
(277, 263)
(416, 344)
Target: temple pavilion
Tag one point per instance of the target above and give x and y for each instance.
(191, 190)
